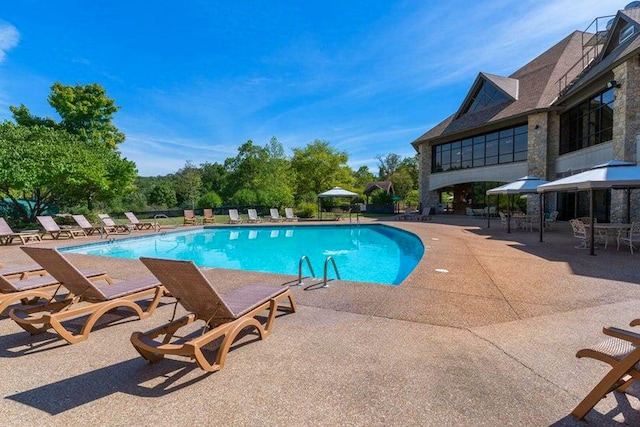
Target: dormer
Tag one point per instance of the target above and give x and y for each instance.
(488, 90)
(620, 30)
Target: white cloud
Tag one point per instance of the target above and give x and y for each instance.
(9, 37)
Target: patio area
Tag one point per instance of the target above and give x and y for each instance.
(491, 341)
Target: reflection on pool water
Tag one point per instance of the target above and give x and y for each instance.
(363, 253)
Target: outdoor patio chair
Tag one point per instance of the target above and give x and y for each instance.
(288, 214)
(580, 233)
(503, 220)
(275, 215)
(30, 290)
(21, 271)
(136, 224)
(234, 217)
(86, 225)
(89, 301)
(222, 316)
(425, 215)
(622, 353)
(253, 215)
(54, 230)
(631, 236)
(189, 217)
(7, 235)
(550, 219)
(110, 227)
(208, 217)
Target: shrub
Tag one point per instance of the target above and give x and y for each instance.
(244, 197)
(210, 200)
(307, 210)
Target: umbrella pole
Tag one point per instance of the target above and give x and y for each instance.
(592, 231)
(541, 204)
(488, 211)
(508, 213)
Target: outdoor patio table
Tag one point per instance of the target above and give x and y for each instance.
(605, 230)
(524, 221)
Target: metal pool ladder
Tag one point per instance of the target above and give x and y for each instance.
(324, 278)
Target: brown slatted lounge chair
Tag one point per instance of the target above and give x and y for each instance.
(89, 300)
(110, 227)
(31, 289)
(622, 352)
(51, 228)
(86, 225)
(7, 235)
(208, 217)
(137, 224)
(189, 217)
(224, 317)
(21, 271)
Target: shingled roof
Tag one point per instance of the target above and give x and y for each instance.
(536, 90)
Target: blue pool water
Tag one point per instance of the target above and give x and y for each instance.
(363, 253)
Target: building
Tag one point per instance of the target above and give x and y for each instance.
(575, 106)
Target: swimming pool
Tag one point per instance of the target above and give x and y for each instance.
(363, 253)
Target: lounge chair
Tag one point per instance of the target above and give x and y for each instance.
(253, 215)
(425, 215)
(89, 301)
(53, 229)
(21, 271)
(223, 316)
(189, 217)
(7, 235)
(288, 214)
(110, 227)
(622, 352)
(86, 225)
(31, 289)
(275, 215)
(208, 217)
(136, 224)
(234, 217)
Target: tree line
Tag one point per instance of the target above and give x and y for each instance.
(73, 164)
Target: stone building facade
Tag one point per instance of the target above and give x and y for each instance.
(573, 107)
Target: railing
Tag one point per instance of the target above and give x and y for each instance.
(304, 258)
(335, 270)
(325, 279)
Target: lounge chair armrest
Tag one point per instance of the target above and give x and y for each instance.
(634, 322)
(622, 334)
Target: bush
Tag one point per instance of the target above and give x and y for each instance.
(307, 210)
(244, 197)
(210, 200)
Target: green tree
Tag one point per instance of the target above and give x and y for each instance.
(402, 182)
(319, 167)
(85, 111)
(387, 165)
(411, 166)
(209, 200)
(213, 176)
(188, 184)
(163, 195)
(362, 177)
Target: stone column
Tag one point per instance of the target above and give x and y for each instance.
(427, 198)
(537, 155)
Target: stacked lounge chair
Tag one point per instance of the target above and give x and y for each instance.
(54, 230)
(137, 224)
(7, 235)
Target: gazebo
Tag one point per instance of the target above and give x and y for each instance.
(524, 185)
(334, 192)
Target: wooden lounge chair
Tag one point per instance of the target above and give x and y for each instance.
(51, 228)
(234, 217)
(7, 235)
(190, 217)
(86, 225)
(288, 214)
(223, 317)
(136, 224)
(622, 352)
(275, 215)
(32, 289)
(208, 217)
(89, 301)
(21, 271)
(253, 215)
(110, 227)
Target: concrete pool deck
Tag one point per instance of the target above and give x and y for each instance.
(491, 342)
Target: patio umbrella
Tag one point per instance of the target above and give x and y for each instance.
(524, 185)
(615, 174)
(335, 192)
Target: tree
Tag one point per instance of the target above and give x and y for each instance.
(188, 184)
(85, 111)
(163, 195)
(213, 176)
(319, 167)
(387, 165)
(43, 167)
(402, 182)
(362, 177)
(209, 200)
(410, 164)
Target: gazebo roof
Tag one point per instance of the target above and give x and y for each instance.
(614, 174)
(526, 184)
(338, 192)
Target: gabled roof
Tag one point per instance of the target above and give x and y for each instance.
(508, 87)
(613, 53)
(536, 90)
(386, 186)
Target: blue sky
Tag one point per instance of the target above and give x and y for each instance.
(195, 79)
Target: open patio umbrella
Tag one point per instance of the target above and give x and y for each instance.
(335, 192)
(615, 174)
(524, 185)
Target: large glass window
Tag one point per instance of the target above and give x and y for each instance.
(588, 123)
(486, 96)
(505, 146)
